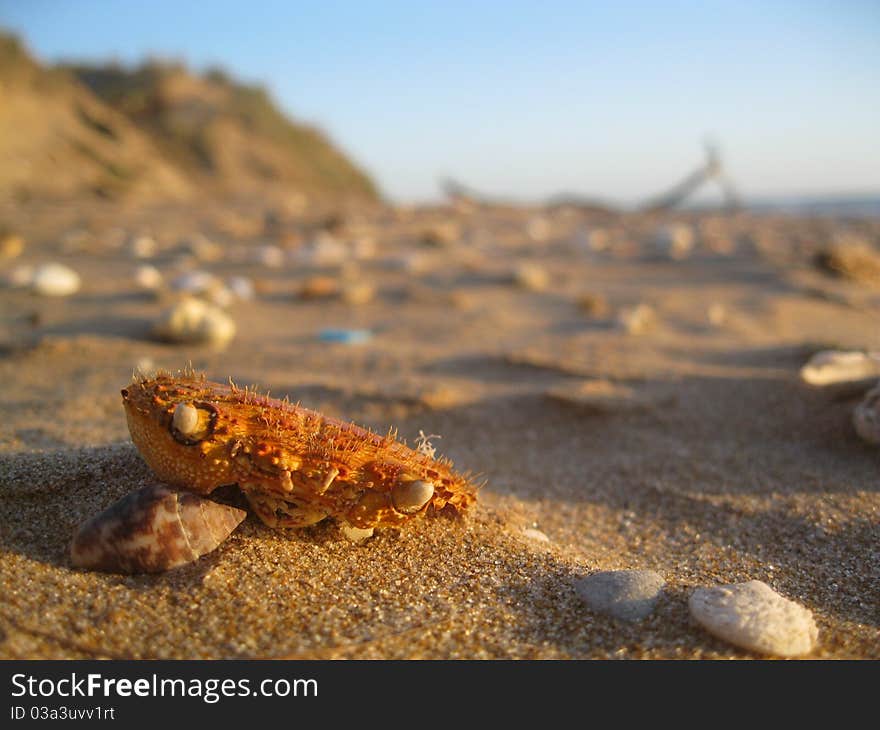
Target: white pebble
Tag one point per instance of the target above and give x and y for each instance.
(539, 229)
(142, 247)
(148, 277)
(638, 320)
(193, 321)
(355, 534)
(270, 256)
(55, 280)
(597, 239)
(840, 366)
(531, 276)
(531, 533)
(627, 595)
(755, 617)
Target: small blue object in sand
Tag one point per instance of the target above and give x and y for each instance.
(346, 337)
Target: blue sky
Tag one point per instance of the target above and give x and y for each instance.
(528, 99)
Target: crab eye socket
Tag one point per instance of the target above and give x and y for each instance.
(192, 422)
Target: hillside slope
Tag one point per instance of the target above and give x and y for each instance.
(58, 140)
(227, 136)
(156, 131)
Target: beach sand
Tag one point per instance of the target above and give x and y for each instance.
(708, 460)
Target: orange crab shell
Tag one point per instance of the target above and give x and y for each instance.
(295, 465)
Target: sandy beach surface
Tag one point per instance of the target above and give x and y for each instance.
(683, 442)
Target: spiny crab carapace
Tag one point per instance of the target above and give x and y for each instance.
(295, 466)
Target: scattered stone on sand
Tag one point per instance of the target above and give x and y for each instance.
(142, 247)
(324, 250)
(753, 616)
(55, 280)
(358, 292)
(319, 287)
(830, 367)
(533, 277)
(539, 229)
(194, 321)
(242, 287)
(717, 314)
(200, 283)
(355, 534)
(148, 278)
(595, 305)
(169, 528)
(853, 258)
(194, 282)
(638, 320)
(530, 533)
(601, 396)
(441, 235)
(866, 417)
(627, 595)
(11, 245)
(675, 242)
(597, 239)
(272, 257)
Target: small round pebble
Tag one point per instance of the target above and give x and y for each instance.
(840, 366)
(530, 533)
(270, 256)
(193, 321)
(148, 278)
(531, 276)
(142, 247)
(595, 305)
(627, 595)
(638, 320)
(753, 616)
(355, 534)
(55, 280)
(11, 245)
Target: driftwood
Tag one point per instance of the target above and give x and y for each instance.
(710, 170)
